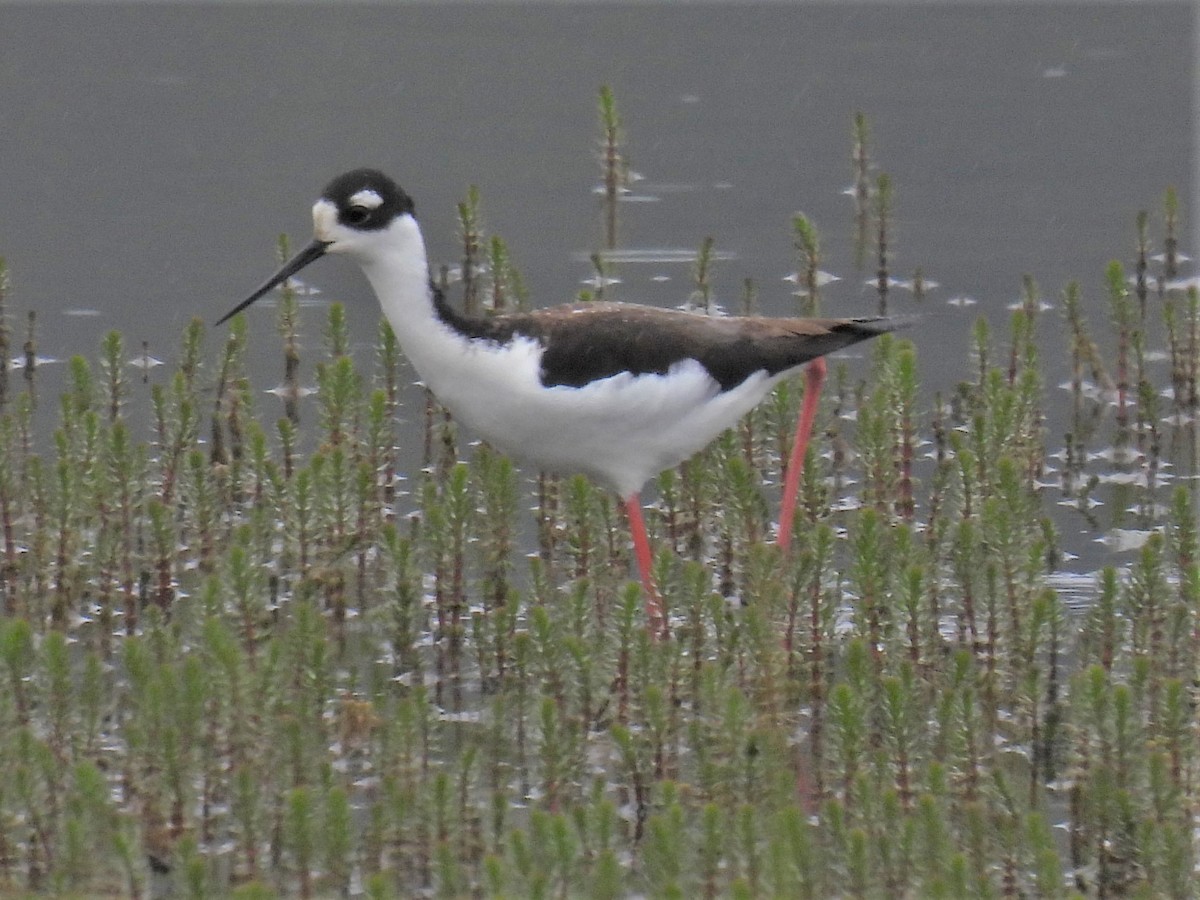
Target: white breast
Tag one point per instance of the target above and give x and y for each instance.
(621, 430)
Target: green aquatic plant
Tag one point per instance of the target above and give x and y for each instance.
(265, 655)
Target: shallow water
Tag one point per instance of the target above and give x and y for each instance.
(152, 155)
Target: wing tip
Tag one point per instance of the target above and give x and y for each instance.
(884, 324)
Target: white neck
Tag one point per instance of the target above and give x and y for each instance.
(396, 265)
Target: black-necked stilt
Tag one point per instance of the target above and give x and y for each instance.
(616, 391)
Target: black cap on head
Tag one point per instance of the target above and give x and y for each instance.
(366, 199)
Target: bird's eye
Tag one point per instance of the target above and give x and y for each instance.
(357, 215)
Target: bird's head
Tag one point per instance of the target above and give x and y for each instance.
(363, 214)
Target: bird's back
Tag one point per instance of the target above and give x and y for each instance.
(586, 342)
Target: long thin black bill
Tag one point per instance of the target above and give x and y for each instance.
(315, 250)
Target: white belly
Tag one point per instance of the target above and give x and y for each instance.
(621, 430)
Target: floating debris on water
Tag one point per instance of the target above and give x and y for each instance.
(637, 255)
(600, 281)
(20, 362)
(1123, 540)
(823, 278)
(1040, 305)
(145, 361)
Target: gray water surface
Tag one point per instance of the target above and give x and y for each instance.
(149, 155)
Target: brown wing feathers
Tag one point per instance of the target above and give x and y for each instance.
(731, 349)
(587, 342)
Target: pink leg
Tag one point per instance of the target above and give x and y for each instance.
(814, 377)
(655, 619)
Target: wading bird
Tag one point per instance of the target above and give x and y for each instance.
(616, 391)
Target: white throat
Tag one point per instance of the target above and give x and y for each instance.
(395, 263)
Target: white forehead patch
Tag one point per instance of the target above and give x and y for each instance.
(366, 197)
(324, 220)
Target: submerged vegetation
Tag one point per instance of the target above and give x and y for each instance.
(252, 658)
